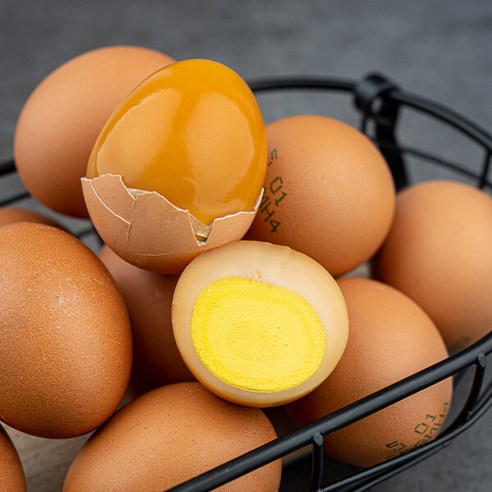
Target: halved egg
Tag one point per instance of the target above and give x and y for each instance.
(259, 324)
(179, 166)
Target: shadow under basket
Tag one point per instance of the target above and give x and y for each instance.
(379, 103)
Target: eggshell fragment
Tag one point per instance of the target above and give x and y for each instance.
(148, 231)
(391, 338)
(12, 477)
(148, 297)
(168, 436)
(65, 337)
(274, 269)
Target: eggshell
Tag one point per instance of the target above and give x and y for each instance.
(63, 116)
(439, 252)
(168, 436)
(328, 192)
(272, 265)
(9, 215)
(12, 477)
(148, 231)
(390, 338)
(65, 338)
(148, 297)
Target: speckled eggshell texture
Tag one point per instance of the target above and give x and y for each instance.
(12, 477)
(168, 436)
(65, 338)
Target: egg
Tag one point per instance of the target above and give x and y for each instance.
(61, 119)
(178, 169)
(328, 192)
(9, 215)
(391, 338)
(148, 297)
(12, 476)
(65, 338)
(258, 324)
(168, 436)
(439, 252)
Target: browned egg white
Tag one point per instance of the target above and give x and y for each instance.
(65, 338)
(168, 436)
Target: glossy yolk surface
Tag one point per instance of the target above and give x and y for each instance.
(194, 133)
(257, 336)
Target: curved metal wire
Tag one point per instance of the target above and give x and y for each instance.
(289, 83)
(7, 167)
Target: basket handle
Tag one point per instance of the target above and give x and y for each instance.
(372, 98)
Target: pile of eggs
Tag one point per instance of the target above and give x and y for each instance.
(225, 285)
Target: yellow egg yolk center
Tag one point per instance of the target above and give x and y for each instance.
(255, 335)
(193, 132)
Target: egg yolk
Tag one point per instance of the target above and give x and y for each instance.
(255, 335)
(193, 132)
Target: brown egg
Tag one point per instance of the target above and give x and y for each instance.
(328, 192)
(168, 436)
(257, 323)
(439, 252)
(9, 215)
(390, 338)
(63, 116)
(148, 297)
(12, 477)
(65, 342)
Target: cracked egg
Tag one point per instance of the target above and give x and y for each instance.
(179, 167)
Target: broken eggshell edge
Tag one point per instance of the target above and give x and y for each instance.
(148, 231)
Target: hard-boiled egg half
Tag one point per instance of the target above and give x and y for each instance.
(179, 166)
(259, 324)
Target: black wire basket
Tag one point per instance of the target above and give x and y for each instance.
(379, 103)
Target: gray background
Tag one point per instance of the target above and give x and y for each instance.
(440, 49)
